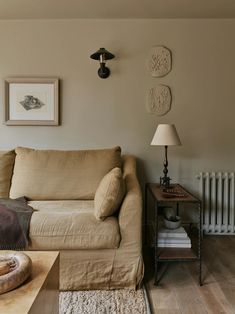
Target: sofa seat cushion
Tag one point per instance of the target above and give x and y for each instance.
(70, 225)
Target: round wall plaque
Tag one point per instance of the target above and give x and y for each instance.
(159, 61)
(158, 100)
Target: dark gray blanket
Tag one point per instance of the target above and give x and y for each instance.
(15, 218)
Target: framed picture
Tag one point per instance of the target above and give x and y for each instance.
(32, 101)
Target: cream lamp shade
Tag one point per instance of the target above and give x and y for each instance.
(166, 135)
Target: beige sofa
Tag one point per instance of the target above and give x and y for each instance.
(61, 186)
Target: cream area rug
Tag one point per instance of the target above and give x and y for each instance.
(104, 302)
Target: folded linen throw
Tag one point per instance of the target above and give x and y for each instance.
(15, 218)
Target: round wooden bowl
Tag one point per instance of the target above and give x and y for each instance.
(15, 268)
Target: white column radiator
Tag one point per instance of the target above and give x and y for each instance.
(217, 192)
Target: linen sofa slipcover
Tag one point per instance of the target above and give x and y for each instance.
(93, 254)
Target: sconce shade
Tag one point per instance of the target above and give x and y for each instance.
(102, 51)
(166, 135)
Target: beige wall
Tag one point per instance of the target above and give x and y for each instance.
(104, 113)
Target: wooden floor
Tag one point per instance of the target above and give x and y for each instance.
(178, 290)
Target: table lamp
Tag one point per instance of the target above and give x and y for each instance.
(165, 135)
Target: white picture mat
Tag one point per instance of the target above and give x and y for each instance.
(42, 91)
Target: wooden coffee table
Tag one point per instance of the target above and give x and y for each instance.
(40, 293)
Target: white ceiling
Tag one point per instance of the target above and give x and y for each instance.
(114, 9)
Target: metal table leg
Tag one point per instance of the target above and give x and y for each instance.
(200, 244)
(156, 245)
(145, 214)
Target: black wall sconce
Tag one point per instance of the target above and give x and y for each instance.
(102, 55)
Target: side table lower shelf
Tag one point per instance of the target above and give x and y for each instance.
(176, 254)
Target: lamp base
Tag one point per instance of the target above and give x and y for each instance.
(165, 182)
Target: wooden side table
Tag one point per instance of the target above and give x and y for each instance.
(173, 254)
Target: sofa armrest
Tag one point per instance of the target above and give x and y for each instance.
(130, 215)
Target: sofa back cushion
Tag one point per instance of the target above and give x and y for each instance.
(61, 175)
(7, 160)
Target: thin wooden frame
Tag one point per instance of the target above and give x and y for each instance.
(31, 80)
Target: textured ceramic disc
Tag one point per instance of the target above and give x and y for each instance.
(159, 61)
(158, 100)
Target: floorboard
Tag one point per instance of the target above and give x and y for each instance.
(178, 291)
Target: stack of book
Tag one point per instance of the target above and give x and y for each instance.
(173, 238)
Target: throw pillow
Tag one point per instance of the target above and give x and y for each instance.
(109, 195)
